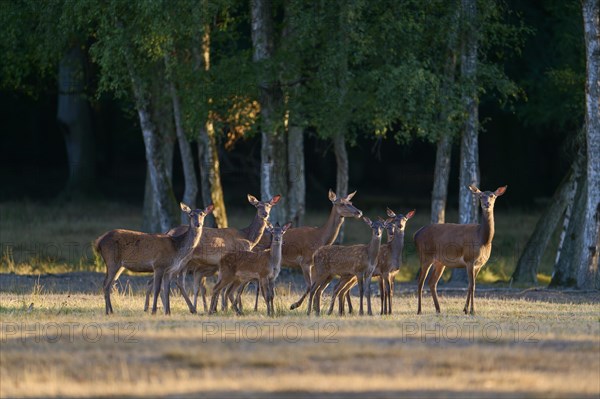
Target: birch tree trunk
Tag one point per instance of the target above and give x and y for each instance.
(468, 207)
(565, 268)
(341, 181)
(187, 159)
(73, 115)
(163, 196)
(588, 274)
(274, 173)
(210, 167)
(529, 261)
(441, 174)
(297, 188)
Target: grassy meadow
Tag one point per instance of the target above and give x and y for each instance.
(55, 340)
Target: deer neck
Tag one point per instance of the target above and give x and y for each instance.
(190, 241)
(373, 249)
(330, 230)
(395, 246)
(275, 259)
(255, 231)
(486, 228)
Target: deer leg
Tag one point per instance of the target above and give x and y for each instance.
(422, 276)
(381, 295)
(352, 284)
(438, 270)
(196, 278)
(471, 276)
(336, 290)
(319, 295)
(215, 296)
(148, 291)
(158, 276)
(111, 272)
(234, 293)
(345, 293)
(368, 292)
(257, 294)
(167, 292)
(307, 279)
(180, 281)
(390, 288)
(361, 294)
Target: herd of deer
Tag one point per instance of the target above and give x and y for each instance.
(256, 253)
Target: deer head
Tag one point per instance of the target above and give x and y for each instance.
(263, 207)
(197, 215)
(396, 223)
(377, 226)
(487, 198)
(277, 231)
(343, 206)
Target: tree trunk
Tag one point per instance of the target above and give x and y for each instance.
(468, 207)
(588, 275)
(443, 155)
(441, 176)
(297, 188)
(73, 115)
(529, 261)
(163, 196)
(565, 269)
(204, 160)
(210, 168)
(274, 173)
(187, 159)
(341, 181)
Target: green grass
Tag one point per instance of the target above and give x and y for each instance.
(42, 238)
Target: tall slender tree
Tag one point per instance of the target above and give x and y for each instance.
(588, 275)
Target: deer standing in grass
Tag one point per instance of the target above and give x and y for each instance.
(216, 243)
(238, 268)
(302, 242)
(457, 246)
(142, 252)
(355, 260)
(388, 265)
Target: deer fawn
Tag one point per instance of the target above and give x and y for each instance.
(216, 243)
(240, 267)
(355, 260)
(388, 264)
(140, 252)
(457, 246)
(302, 242)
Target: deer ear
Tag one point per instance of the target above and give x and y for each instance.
(209, 209)
(184, 207)
(367, 220)
(500, 191)
(269, 227)
(252, 199)
(410, 214)
(349, 196)
(275, 199)
(390, 213)
(287, 226)
(474, 189)
(332, 196)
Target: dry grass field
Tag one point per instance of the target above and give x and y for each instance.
(56, 341)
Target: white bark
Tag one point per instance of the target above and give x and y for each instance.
(588, 275)
(187, 159)
(468, 207)
(274, 172)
